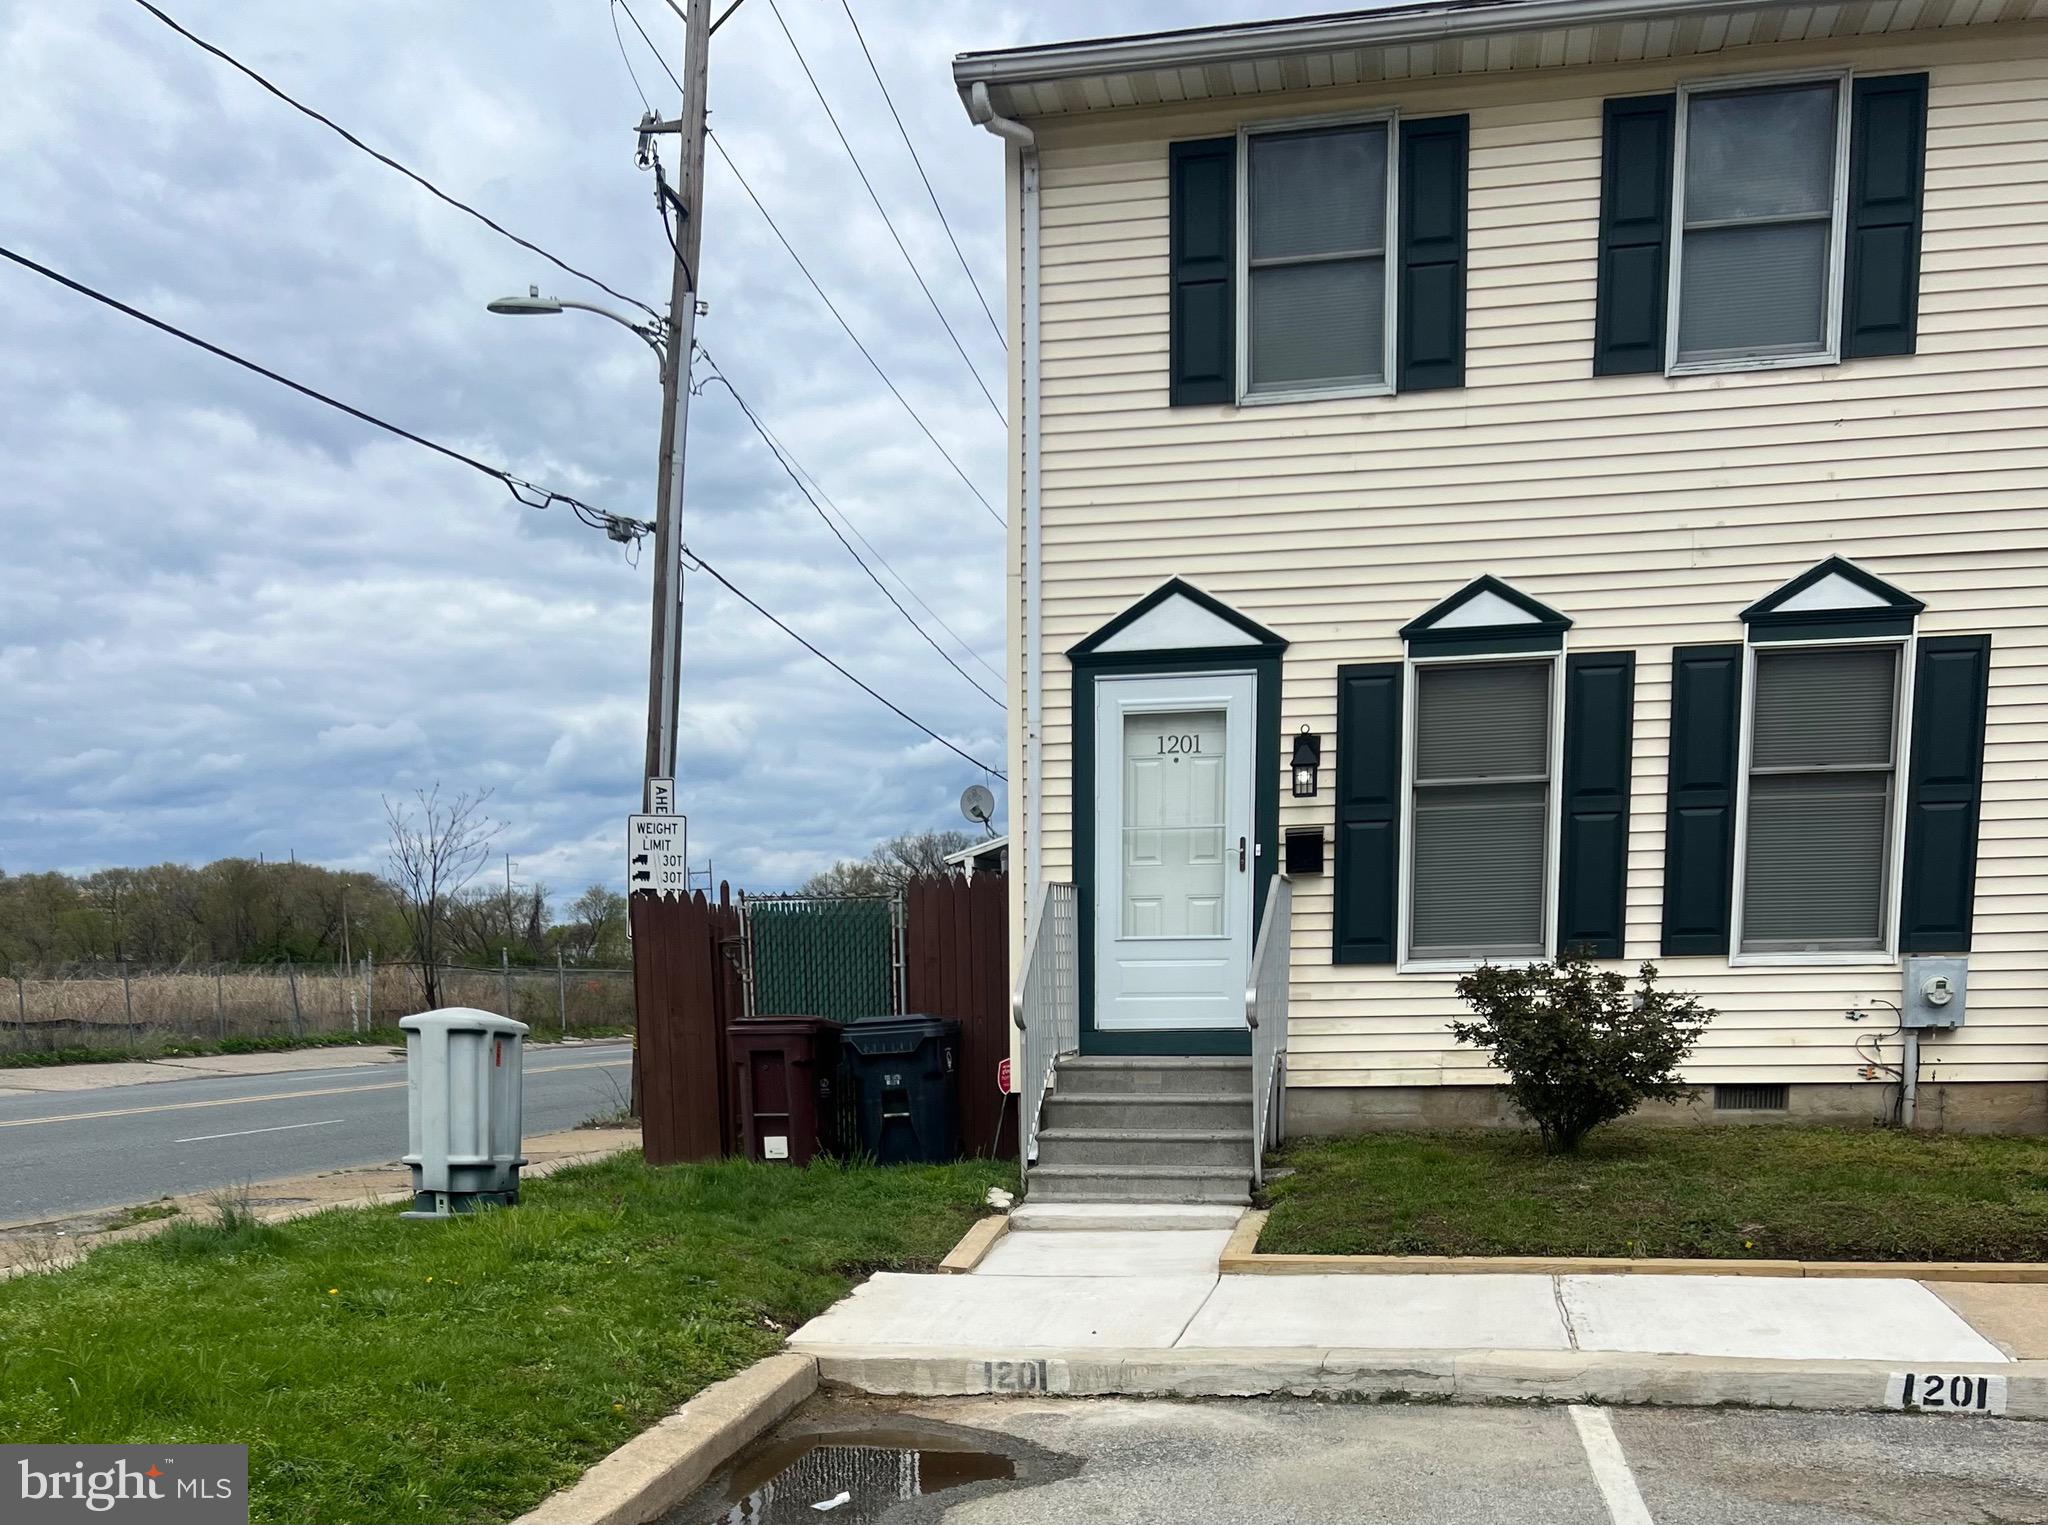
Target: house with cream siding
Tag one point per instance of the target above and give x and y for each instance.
(1495, 477)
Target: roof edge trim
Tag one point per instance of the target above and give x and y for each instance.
(1431, 21)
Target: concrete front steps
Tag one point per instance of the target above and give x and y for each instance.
(1146, 1130)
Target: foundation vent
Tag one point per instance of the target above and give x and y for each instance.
(1751, 1098)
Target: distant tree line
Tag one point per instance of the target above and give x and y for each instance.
(433, 904)
(248, 911)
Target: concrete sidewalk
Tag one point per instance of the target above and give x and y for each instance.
(1101, 1310)
(282, 1061)
(128, 1072)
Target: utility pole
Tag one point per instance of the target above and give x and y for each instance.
(664, 664)
(665, 653)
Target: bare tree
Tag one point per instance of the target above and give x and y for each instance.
(434, 853)
(597, 919)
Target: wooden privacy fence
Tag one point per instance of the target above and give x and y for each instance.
(689, 986)
(956, 963)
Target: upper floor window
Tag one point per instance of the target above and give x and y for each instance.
(1760, 247)
(1750, 224)
(1318, 291)
(1317, 259)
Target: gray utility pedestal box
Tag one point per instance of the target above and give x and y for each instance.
(1933, 995)
(463, 1092)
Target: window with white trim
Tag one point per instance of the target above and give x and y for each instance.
(1480, 797)
(1759, 243)
(1823, 766)
(1317, 276)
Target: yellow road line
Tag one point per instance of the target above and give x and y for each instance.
(235, 1101)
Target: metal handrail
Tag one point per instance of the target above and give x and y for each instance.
(1265, 1013)
(1046, 1007)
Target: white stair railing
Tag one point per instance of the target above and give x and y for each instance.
(1265, 1012)
(1046, 1006)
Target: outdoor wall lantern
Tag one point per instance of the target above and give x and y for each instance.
(1308, 757)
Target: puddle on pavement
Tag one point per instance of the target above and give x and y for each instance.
(877, 1467)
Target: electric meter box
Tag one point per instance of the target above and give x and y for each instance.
(463, 1093)
(1934, 992)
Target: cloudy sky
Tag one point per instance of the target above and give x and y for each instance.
(231, 621)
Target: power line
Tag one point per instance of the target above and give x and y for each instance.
(725, 381)
(996, 327)
(388, 161)
(704, 566)
(776, 229)
(866, 354)
(901, 247)
(620, 5)
(846, 519)
(530, 494)
(625, 58)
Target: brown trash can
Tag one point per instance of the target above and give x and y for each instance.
(786, 1083)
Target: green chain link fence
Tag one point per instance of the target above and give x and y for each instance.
(817, 957)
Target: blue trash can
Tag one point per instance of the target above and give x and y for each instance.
(906, 1087)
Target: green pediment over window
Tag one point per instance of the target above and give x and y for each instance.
(1483, 616)
(1832, 601)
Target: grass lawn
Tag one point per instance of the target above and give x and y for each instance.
(1736, 1193)
(380, 1370)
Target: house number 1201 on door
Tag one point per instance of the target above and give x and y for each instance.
(1179, 746)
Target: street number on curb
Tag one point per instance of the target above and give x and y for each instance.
(1013, 1376)
(1945, 1392)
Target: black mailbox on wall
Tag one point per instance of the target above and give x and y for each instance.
(1304, 850)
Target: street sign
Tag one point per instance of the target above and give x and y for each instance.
(661, 796)
(657, 854)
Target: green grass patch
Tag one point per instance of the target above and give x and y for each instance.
(1722, 1193)
(193, 1048)
(380, 1370)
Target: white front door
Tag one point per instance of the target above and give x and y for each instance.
(1174, 855)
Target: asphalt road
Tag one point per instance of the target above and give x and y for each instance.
(1129, 1462)
(65, 1152)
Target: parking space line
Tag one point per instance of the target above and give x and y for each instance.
(1610, 1467)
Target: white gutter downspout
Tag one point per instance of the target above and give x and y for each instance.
(1030, 855)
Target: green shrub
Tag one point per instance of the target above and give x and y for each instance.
(1580, 1048)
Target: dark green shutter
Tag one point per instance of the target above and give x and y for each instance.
(1887, 164)
(1368, 811)
(1635, 234)
(1431, 289)
(1599, 708)
(1203, 254)
(1699, 819)
(1944, 790)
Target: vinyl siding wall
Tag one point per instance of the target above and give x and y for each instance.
(1649, 510)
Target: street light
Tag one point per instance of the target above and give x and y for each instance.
(533, 304)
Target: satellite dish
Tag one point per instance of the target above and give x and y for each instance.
(978, 804)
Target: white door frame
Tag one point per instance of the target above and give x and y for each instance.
(1193, 983)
